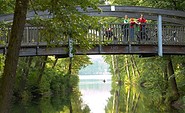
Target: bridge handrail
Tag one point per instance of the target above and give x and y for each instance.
(135, 9)
(172, 16)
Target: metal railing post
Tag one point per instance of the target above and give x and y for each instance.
(159, 28)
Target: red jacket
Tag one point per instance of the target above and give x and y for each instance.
(141, 20)
(132, 24)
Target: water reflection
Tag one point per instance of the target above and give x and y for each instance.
(95, 91)
(135, 99)
(56, 104)
(101, 98)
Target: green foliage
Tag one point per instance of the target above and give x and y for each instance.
(55, 82)
(167, 4)
(1, 64)
(7, 6)
(126, 2)
(66, 21)
(164, 4)
(178, 64)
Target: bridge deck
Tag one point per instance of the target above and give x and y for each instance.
(116, 42)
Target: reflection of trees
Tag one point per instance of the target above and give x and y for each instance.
(142, 85)
(132, 100)
(117, 92)
(54, 104)
(151, 72)
(135, 103)
(116, 99)
(123, 99)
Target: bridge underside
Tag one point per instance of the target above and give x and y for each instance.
(61, 51)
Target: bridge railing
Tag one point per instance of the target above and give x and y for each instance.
(106, 34)
(30, 35)
(173, 35)
(147, 34)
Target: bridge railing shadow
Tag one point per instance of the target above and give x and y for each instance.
(106, 34)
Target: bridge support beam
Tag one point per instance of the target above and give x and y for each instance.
(159, 29)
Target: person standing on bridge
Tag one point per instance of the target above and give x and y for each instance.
(125, 28)
(109, 33)
(132, 24)
(142, 22)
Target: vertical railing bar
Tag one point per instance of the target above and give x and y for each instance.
(116, 33)
(91, 34)
(103, 31)
(26, 35)
(35, 34)
(182, 31)
(100, 40)
(96, 36)
(29, 41)
(119, 34)
(30, 29)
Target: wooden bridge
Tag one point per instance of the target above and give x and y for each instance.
(34, 43)
(159, 38)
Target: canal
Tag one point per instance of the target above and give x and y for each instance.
(95, 91)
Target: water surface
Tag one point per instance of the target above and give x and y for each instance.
(95, 91)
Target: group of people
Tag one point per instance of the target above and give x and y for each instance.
(128, 28)
(129, 25)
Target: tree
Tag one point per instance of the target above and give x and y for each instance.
(12, 55)
(66, 20)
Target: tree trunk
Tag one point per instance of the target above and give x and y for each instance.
(135, 65)
(54, 64)
(69, 86)
(12, 56)
(127, 69)
(113, 102)
(113, 65)
(117, 69)
(136, 104)
(133, 69)
(117, 100)
(164, 91)
(42, 70)
(128, 100)
(172, 81)
(25, 73)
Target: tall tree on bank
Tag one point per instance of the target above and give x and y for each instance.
(12, 55)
